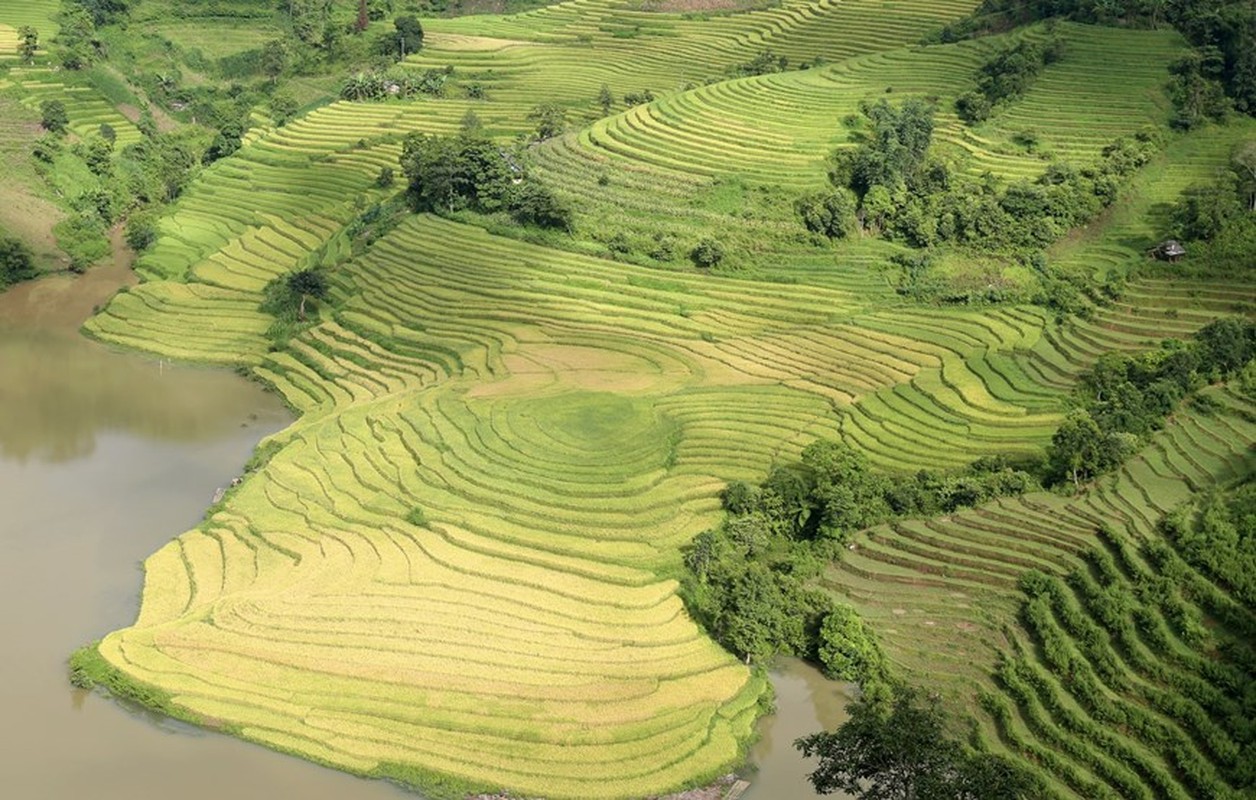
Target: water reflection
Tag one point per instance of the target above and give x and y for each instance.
(58, 391)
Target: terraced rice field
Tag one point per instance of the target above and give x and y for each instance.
(86, 107)
(943, 594)
(457, 565)
(564, 427)
(565, 52)
(15, 14)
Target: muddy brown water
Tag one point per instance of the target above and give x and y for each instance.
(104, 456)
(806, 702)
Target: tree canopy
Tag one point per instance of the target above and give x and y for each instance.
(899, 749)
(16, 261)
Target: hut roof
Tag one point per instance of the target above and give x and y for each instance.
(1172, 248)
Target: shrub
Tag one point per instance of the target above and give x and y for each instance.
(830, 214)
(54, 117)
(141, 231)
(530, 203)
(707, 253)
(16, 261)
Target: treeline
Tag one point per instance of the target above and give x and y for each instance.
(1218, 219)
(1125, 398)
(394, 83)
(1220, 73)
(748, 580)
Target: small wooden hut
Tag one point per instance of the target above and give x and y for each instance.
(1170, 250)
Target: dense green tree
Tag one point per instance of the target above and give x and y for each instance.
(228, 140)
(1197, 91)
(1005, 76)
(28, 43)
(550, 120)
(76, 40)
(1206, 209)
(141, 231)
(104, 12)
(846, 493)
(848, 649)
(16, 261)
(274, 59)
(448, 173)
(309, 18)
(765, 62)
(830, 214)
(98, 155)
(432, 166)
(304, 285)
(530, 203)
(1243, 162)
(1077, 451)
(160, 166)
(894, 152)
(405, 39)
(638, 98)
(283, 107)
(605, 99)
(53, 116)
(707, 253)
(899, 750)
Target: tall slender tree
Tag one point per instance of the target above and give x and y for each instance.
(29, 43)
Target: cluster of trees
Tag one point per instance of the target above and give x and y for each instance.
(890, 184)
(401, 83)
(16, 261)
(77, 43)
(898, 748)
(747, 580)
(1219, 218)
(468, 171)
(125, 183)
(1006, 76)
(606, 98)
(1220, 73)
(1125, 398)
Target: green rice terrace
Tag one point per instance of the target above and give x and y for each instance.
(693, 239)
